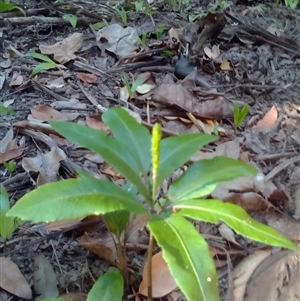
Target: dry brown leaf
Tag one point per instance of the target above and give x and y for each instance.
(177, 95)
(134, 227)
(64, 51)
(228, 234)
(284, 224)
(12, 280)
(225, 65)
(162, 281)
(212, 53)
(86, 77)
(268, 120)
(11, 154)
(229, 149)
(74, 297)
(46, 165)
(59, 225)
(45, 113)
(104, 246)
(96, 124)
(251, 202)
(9, 136)
(45, 282)
(117, 39)
(243, 272)
(17, 81)
(276, 279)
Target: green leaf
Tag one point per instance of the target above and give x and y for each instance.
(244, 112)
(4, 110)
(177, 150)
(5, 6)
(7, 224)
(116, 221)
(40, 56)
(203, 176)
(187, 255)
(236, 113)
(213, 211)
(132, 134)
(71, 18)
(112, 151)
(74, 198)
(43, 66)
(136, 83)
(108, 287)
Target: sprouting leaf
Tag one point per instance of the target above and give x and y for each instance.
(116, 221)
(72, 19)
(132, 134)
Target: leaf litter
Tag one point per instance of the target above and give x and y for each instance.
(233, 65)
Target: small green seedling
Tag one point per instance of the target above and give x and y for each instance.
(100, 25)
(139, 5)
(123, 15)
(7, 224)
(221, 4)
(142, 38)
(239, 115)
(192, 18)
(4, 110)
(159, 31)
(291, 3)
(131, 88)
(6, 6)
(146, 161)
(11, 166)
(48, 63)
(71, 18)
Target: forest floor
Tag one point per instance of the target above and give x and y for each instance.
(249, 53)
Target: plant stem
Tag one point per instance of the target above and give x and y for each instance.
(149, 263)
(122, 262)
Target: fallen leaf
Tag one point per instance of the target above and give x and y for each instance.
(268, 120)
(86, 77)
(45, 113)
(228, 234)
(44, 278)
(64, 51)
(12, 280)
(73, 297)
(162, 281)
(118, 40)
(104, 246)
(243, 272)
(225, 65)
(276, 278)
(17, 81)
(46, 165)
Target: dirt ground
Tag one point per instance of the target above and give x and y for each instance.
(248, 54)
